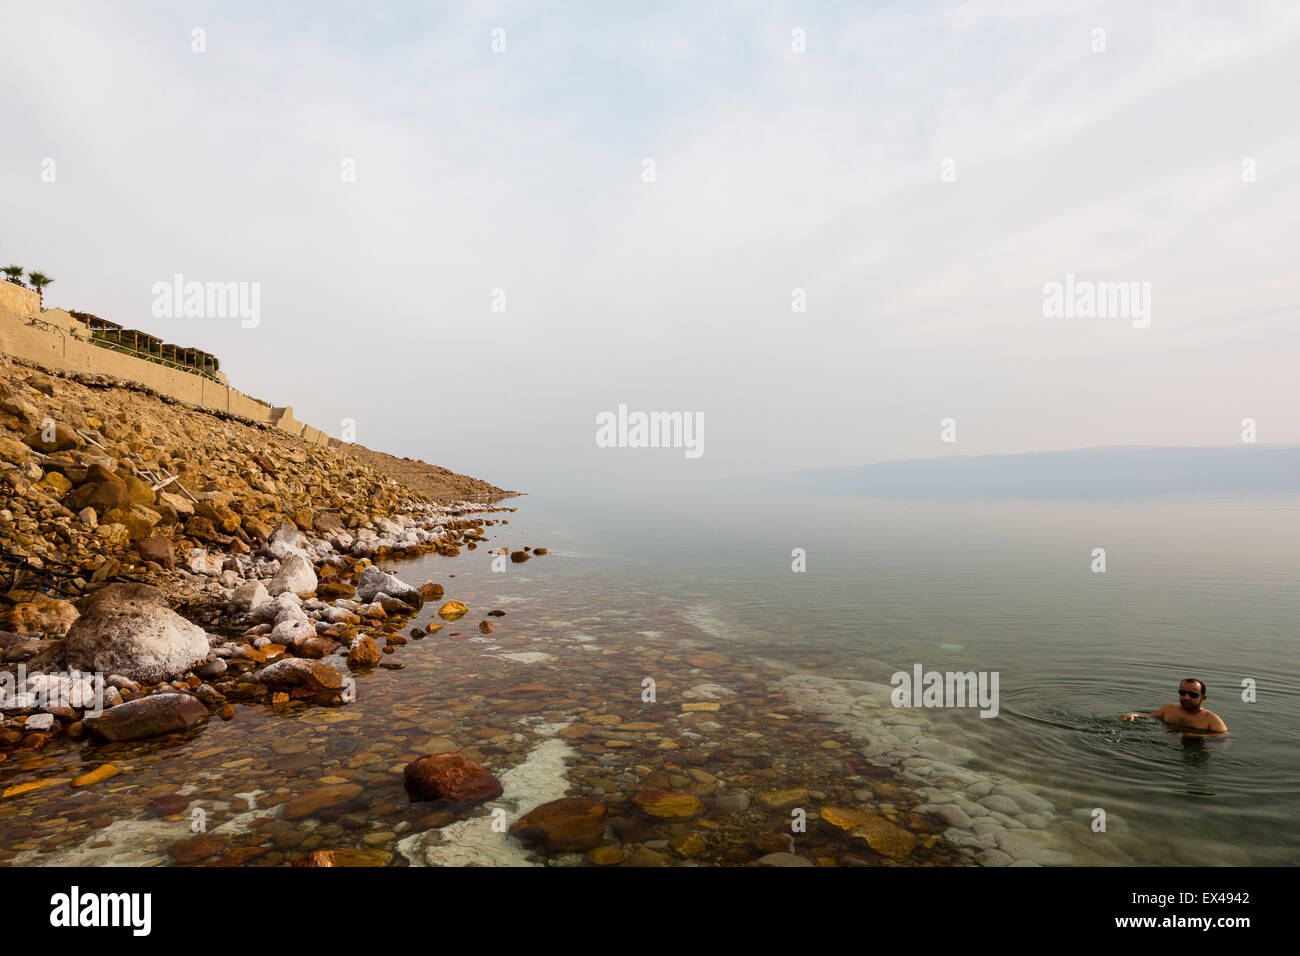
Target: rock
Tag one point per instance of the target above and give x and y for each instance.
(1001, 804)
(14, 452)
(44, 615)
(733, 802)
(430, 591)
(364, 652)
(138, 520)
(19, 651)
(1024, 848)
(296, 576)
(451, 779)
(103, 496)
(137, 639)
(250, 595)
(374, 582)
(124, 591)
(647, 857)
(98, 775)
(195, 849)
(453, 610)
(285, 540)
(41, 722)
(572, 823)
(784, 859)
(147, 717)
(159, 550)
(689, 845)
(608, 855)
(784, 799)
(293, 632)
(870, 830)
(347, 857)
(295, 673)
(486, 627)
(519, 557)
(313, 801)
(667, 805)
(168, 805)
(60, 438)
(212, 669)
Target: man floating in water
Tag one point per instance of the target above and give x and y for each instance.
(1189, 713)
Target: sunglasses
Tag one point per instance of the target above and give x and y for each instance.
(1188, 693)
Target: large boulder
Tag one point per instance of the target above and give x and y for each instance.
(450, 779)
(147, 717)
(296, 576)
(374, 582)
(573, 823)
(137, 639)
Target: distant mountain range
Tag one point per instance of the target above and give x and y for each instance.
(1121, 471)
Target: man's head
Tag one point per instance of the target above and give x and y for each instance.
(1191, 693)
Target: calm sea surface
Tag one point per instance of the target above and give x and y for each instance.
(1192, 588)
(633, 584)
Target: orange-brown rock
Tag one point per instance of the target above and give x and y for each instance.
(313, 801)
(572, 823)
(667, 804)
(450, 778)
(870, 830)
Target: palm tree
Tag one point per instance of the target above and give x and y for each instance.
(15, 274)
(39, 281)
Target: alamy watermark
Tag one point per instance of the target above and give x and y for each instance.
(179, 299)
(951, 689)
(73, 689)
(1086, 299)
(626, 429)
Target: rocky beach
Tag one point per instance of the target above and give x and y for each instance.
(216, 653)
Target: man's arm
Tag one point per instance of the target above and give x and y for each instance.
(1155, 713)
(1217, 728)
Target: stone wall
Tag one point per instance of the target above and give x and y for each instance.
(57, 340)
(17, 299)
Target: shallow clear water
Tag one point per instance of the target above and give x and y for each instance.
(1193, 588)
(698, 587)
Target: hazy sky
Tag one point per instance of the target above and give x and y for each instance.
(823, 170)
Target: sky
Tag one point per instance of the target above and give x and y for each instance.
(919, 170)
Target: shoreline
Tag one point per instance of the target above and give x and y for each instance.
(291, 614)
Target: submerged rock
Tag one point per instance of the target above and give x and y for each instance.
(572, 823)
(147, 717)
(450, 778)
(870, 830)
(667, 805)
(318, 799)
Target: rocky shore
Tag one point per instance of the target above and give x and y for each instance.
(162, 562)
(168, 571)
